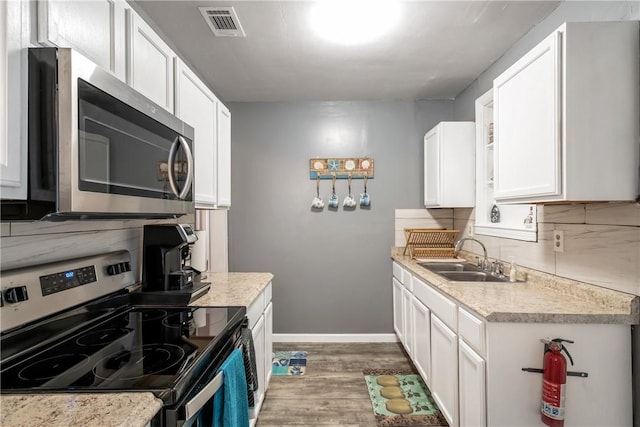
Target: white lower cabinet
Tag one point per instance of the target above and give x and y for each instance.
(260, 314)
(268, 343)
(444, 369)
(258, 331)
(398, 312)
(421, 322)
(471, 386)
(473, 368)
(407, 321)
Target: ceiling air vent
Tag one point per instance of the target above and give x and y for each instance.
(223, 21)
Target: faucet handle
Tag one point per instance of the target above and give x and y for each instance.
(500, 268)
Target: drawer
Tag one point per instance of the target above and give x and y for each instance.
(439, 305)
(397, 271)
(254, 311)
(471, 329)
(407, 280)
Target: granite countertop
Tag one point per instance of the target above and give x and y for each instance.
(233, 289)
(87, 410)
(121, 409)
(541, 298)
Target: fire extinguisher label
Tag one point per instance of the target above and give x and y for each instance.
(553, 400)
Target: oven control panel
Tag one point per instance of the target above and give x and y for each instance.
(30, 293)
(63, 280)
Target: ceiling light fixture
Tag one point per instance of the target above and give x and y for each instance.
(353, 22)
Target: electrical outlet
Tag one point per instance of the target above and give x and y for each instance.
(470, 230)
(558, 240)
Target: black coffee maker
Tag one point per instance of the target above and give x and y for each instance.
(165, 275)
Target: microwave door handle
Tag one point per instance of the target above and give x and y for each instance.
(171, 163)
(192, 407)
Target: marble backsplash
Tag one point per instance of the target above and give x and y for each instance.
(601, 241)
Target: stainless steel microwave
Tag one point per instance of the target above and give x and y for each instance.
(98, 149)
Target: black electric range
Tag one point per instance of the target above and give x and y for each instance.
(108, 344)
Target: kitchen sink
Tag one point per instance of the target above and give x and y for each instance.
(462, 272)
(472, 276)
(437, 267)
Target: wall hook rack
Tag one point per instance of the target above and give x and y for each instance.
(341, 168)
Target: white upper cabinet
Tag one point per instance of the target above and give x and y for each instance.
(515, 221)
(449, 165)
(224, 156)
(95, 28)
(197, 106)
(150, 63)
(566, 117)
(14, 39)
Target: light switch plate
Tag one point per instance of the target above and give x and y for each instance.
(558, 240)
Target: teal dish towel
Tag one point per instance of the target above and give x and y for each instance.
(230, 404)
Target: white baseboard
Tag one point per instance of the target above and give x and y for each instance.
(335, 338)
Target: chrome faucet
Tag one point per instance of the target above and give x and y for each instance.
(458, 245)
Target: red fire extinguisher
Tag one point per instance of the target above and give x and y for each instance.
(554, 381)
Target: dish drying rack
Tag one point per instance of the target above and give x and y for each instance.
(430, 242)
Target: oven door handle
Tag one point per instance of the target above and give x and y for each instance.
(192, 407)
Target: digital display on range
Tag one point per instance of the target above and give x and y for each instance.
(58, 282)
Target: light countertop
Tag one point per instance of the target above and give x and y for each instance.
(121, 409)
(233, 289)
(542, 298)
(85, 409)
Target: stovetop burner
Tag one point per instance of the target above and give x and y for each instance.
(101, 337)
(51, 367)
(134, 348)
(138, 362)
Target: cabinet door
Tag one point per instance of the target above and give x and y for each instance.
(268, 344)
(432, 168)
(224, 156)
(95, 28)
(444, 369)
(398, 313)
(258, 333)
(197, 106)
(150, 62)
(407, 321)
(421, 339)
(471, 387)
(527, 152)
(14, 39)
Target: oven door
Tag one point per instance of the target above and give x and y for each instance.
(195, 408)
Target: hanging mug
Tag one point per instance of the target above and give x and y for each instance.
(333, 201)
(349, 201)
(317, 202)
(365, 200)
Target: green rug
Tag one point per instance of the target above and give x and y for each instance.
(289, 363)
(400, 398)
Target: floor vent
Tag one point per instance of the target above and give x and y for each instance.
(223, 21)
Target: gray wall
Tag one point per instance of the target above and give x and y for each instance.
(332, 268)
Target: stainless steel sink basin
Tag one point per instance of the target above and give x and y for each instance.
(462, 272)
(471, 276)
(437, 267)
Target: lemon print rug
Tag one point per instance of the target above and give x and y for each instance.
(401, 398)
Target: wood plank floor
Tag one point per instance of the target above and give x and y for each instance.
(332, 392)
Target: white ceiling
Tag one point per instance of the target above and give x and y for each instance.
(437, 49)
